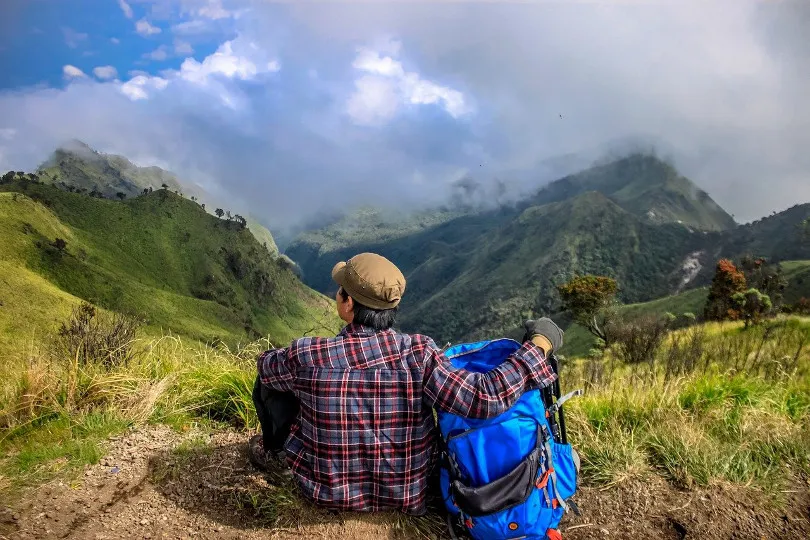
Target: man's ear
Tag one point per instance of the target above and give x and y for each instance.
(350, 303)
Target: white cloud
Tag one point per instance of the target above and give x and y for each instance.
(73, 38)
(374, 101)
(72, 72)
(140, 86)
(420, 91)
(372, 62)
(224, 62)
(378, 94)
(214, 11)
(211, 74)
(182, 47)
(126, 9)
(115, 41)
(190, 27)
(158, 54)
(144, 28)
(7, 133)
(105, 72)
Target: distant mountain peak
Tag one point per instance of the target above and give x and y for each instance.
(646, 186)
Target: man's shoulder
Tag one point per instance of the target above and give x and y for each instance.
(419, 341)
(312, 341)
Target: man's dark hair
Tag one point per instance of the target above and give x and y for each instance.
(378, 319)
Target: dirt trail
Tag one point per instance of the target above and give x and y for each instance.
(157, 484)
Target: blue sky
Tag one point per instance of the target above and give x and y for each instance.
(291, 109)
(92, 33)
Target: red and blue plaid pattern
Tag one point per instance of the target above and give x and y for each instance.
(365, 436)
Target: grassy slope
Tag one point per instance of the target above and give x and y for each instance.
(152, 255)
(728, 420)
(262, 235)
(797, 274)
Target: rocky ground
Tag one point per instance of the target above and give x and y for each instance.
(158, 484)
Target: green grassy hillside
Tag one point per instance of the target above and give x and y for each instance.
(159, 256)
(797, 274)
(262, 235)
(778, 237)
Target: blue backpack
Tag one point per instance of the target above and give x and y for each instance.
(510, 476)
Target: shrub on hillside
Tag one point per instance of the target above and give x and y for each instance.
(801, 307)
(60, 244)
(90, 337)
(637, 340)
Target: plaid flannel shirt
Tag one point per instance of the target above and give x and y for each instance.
(364, 438)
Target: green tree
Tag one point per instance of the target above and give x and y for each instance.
(219, 212)
(727, 281)
(589, 298)
(121, 195)
(765, 277)
(752, 305)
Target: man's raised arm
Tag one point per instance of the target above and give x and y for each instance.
(483, 395)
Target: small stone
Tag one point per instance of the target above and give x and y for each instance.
(220, 528)
(144, 521)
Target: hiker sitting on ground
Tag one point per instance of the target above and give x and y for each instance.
(351, 416)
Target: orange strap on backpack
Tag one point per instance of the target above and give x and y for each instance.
(553, 534)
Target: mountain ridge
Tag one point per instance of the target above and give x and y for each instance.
(479, 273)
(76, 165)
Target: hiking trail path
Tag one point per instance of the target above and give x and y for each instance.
(153, 484)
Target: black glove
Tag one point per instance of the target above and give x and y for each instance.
(546, 328)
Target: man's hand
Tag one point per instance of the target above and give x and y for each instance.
(544, 333)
